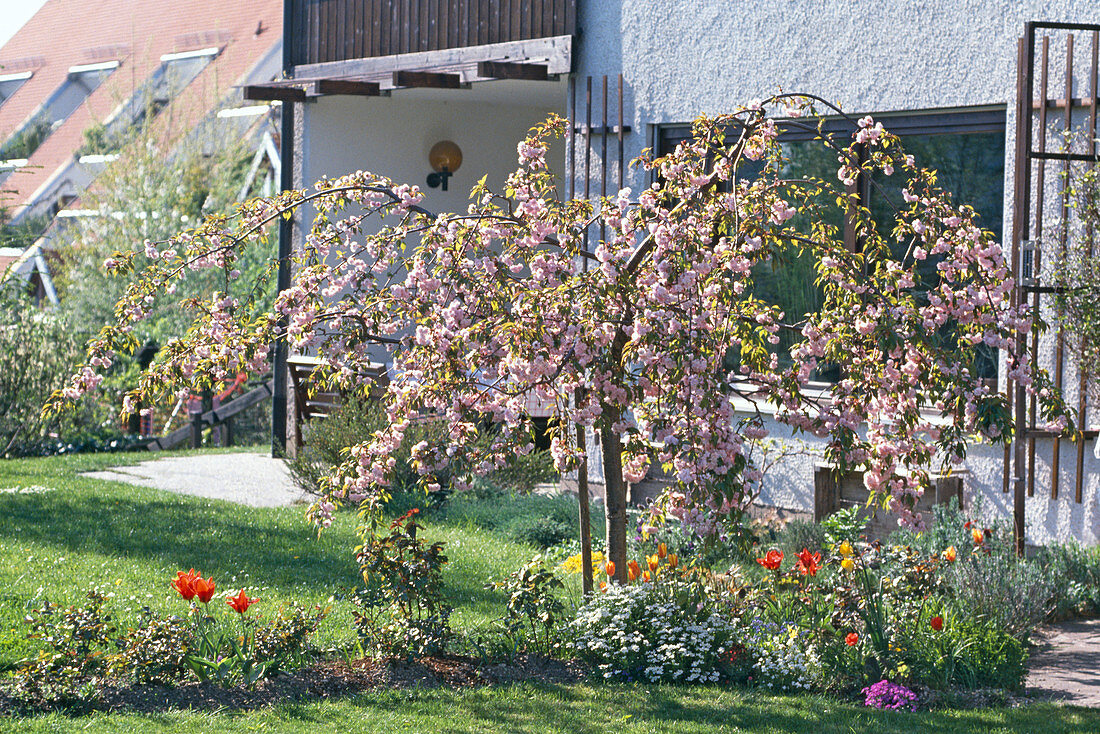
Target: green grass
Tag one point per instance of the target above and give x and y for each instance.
(132, 540)
(57, 544)
(580, 709)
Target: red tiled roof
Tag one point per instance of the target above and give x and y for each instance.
(67, 33)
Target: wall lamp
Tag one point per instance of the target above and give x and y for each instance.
(445, 157)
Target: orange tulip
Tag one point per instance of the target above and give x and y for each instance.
(662, 550)
(977, 535)
(950, 554)
(852, 639)
(240, 602)
(609, 568)
(652, 562)
(673, 560)
(185, 583)
(645, 576)
(603, 586)
(808, 563)
(632, 570)
(204, 589)
(771, 560)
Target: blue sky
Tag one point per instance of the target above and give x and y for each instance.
(13, 14)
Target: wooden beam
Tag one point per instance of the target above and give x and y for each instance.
(430, 79)
(512, 70)
(262, 93)
(346, 86)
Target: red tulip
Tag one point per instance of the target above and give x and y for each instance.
(185, 583)
(852, 639)
(771, 560)
(204, 588)
(936, 623)
(240, 602)
(808, 563)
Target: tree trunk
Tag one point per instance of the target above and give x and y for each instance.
(615, 496)
(586, 526)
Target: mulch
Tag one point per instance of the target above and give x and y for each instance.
(333, 679)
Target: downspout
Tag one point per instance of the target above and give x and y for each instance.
(286, 233)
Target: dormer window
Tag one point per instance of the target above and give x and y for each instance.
(80, 82)
(10, 84)
(175, 73)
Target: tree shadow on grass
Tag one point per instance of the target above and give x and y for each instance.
(275, 547)
(602, 708)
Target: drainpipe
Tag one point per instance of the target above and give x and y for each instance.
(286, 233)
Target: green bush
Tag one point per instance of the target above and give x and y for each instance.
(801, 534)
(996, 588)
(326, 443)
(1074, 572)
(403, 611)
(38, 351)
(541, 532)
(535, 614)
(967, 653)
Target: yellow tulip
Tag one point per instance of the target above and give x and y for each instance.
(846, 549)
(848, 564)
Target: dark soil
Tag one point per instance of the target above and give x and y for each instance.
(324, 680)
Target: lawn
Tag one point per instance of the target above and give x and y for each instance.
(84, 532)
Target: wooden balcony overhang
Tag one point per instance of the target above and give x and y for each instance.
(540, 59)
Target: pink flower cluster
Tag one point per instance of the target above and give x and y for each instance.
(651, 336)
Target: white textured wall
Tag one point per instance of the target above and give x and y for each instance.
(682, 59)
(391, 136)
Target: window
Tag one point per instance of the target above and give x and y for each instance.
(10, 84)
(966, 148)
(78, 85)
(173, 75)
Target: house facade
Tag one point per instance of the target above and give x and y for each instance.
(377, 85)
(77, 79)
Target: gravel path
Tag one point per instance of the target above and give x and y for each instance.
(1066, 663)
(251, 479)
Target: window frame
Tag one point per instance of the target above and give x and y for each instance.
(943, 121)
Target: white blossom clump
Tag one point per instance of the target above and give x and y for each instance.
(786, 658)
(653, 632)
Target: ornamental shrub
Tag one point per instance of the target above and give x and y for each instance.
(534, 613)
(1074, 572)
(666, 631)
(963, 652)
(404, 612)
(1010, 594)
(156, 650)
(79, 643)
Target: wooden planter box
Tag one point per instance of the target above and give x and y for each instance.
(833, 492)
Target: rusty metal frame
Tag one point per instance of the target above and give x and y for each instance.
(1034, 123)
